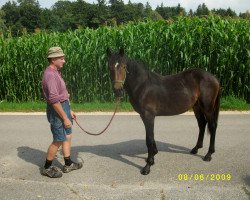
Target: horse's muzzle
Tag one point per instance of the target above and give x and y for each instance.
(118, 92)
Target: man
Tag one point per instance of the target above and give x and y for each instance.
(59, 115)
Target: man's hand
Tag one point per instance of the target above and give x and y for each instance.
(67, 123)
(73, 115)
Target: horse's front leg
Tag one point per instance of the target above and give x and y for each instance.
(148, 121)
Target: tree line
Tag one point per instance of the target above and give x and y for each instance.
(26, 16)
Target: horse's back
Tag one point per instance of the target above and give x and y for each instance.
(194, 78)
(203, 75)
(196, 73)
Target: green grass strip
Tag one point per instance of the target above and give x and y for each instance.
(227, 103)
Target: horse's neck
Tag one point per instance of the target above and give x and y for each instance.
(136, 76)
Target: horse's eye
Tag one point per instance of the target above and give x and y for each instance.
(116, 65)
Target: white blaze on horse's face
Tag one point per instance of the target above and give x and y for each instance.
(116, 65)
(117, 84)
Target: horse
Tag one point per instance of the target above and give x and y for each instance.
(152, 94)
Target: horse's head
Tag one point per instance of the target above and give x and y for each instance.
(117, 70)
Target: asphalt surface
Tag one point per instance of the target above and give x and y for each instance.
(112, 161)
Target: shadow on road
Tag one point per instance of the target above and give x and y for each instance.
(132, 148)
(117, 151)
(34, 156)
(247, 181)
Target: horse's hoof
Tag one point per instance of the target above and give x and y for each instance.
(194, 151)
(207, 158)
(145, 171)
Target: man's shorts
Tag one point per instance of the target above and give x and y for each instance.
(56, 123)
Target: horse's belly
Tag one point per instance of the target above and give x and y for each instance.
(170, 112)
(162, 102)
(175, 106)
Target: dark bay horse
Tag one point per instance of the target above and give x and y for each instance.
(154, 95)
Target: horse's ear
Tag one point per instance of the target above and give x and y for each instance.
(109, 51)
(121, 52)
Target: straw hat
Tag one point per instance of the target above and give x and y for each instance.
(55, 52)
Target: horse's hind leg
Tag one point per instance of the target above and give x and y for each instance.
(148, 121)
(212, 114)
(202, 125)
(212, 126)
(210, 101)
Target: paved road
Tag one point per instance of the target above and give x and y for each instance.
(112, 161)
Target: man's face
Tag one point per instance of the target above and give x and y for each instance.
(58, 62)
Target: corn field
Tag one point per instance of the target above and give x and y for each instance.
(220, 46)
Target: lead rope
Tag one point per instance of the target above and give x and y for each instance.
(96, 134)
